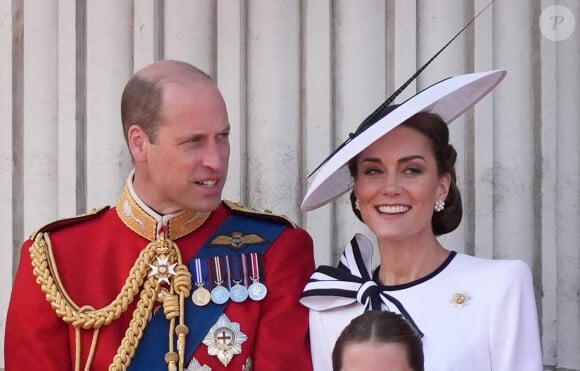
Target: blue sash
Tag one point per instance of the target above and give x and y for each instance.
(150, 353)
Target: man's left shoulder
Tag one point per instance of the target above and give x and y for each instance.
(238, 208)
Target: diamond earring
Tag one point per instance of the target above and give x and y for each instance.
(439, 205)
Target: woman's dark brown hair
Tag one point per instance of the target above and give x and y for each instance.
(436, 130)
(381, 327)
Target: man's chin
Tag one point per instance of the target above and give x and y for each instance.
(207, 205)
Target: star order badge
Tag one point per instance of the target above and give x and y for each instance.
(224, 339)
(249, 366)
(194, 365)
(162, 269)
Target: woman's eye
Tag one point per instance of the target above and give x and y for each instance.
(371, 171)
(413, 170)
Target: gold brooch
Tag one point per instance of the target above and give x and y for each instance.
(459, 299)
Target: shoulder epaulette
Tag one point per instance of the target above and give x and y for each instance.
(59, 223)
(236, 207)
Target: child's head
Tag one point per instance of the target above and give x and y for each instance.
(378, 341)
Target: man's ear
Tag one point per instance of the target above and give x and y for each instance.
(138, 142)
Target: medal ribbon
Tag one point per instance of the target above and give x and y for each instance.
(255, 260)
(149, 355)
(245, 269)
(218, 271)
(200, 272)
(212, 274)
(235, 262)
(228, 272)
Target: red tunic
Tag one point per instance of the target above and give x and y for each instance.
(94, 257)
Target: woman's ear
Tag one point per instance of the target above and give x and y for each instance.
(138, 142)
(444, 185)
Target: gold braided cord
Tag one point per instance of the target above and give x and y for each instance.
(92, 350)
(181, 330)
(86, 317)
(171, 311)
(182, 285)
(78, 345)
(171, 357)
(48, 278)
(78, 349)
(172, 308)
(182, 281)
(134, 332)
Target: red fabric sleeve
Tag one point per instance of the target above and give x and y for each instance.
(282, 337)
(36, 339)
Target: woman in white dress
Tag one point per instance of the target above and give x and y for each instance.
(473, 313)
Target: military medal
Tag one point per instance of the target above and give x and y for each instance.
(201, 295)
(257, 290)
(219, 294)
(224, 339)
(238, 292)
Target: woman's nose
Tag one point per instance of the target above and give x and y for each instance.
(391, 184)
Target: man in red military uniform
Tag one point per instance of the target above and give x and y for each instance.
(172, 277)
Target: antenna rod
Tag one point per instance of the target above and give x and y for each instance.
(370, 119)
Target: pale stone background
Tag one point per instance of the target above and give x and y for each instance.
(297, 76)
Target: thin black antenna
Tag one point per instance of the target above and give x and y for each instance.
(371, 119)
(406, 83)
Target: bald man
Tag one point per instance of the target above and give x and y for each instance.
(172, 277)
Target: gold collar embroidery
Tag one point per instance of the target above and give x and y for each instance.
(145, 225)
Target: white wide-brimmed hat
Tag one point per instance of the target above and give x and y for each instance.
(447, 98)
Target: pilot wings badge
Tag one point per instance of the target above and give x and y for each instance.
(238, 240)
